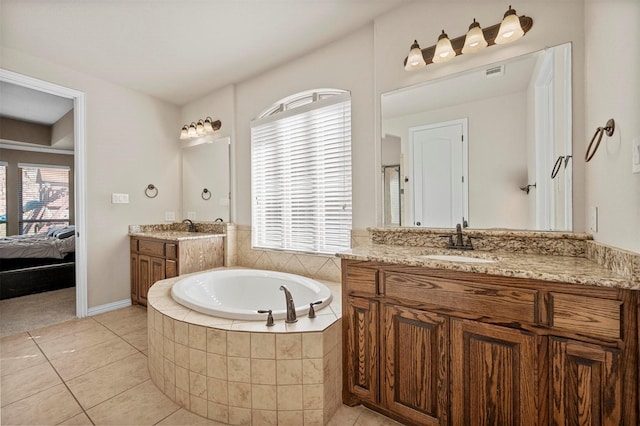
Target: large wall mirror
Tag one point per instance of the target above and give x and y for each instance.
(487, 148)
(205, 180)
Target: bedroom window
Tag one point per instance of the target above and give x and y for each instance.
(44, 197)
(301, 174)
(3, 199)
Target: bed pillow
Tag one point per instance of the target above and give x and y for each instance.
(65, 232)
(52, 231)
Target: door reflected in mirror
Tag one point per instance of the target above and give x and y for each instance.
(466, 144)
(205, 180)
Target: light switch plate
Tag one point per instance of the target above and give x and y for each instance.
(169, 216)
(635, 155)
(593, 223)
(119, 198)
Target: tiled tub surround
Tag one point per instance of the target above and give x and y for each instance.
(241, 372)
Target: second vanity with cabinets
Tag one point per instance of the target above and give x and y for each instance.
(509, 339)
(166, 251)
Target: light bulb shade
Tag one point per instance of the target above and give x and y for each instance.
(200, 128)
(444, 50)
(510, 28)
(184, 133)
(208, 128)
(192, 133)
(415, 60)
(474, 41)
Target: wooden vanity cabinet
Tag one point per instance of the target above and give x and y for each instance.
(438, 347)
(154, 260)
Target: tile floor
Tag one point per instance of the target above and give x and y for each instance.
(94, 371)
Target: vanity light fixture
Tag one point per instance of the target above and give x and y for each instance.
(202, 128)
(511, 28)
(444, 51)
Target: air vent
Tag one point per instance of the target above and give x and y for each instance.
(494, 71)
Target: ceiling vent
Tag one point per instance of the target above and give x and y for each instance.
(494, 71)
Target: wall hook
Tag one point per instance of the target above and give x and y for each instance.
(609, 128)
(527, 188)
(151, 191)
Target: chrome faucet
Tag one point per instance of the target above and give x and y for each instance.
(291, 307)
(192, 226)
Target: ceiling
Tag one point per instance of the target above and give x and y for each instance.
(22, 103)
(178, 50)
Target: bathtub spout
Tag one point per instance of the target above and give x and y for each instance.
(291, 307)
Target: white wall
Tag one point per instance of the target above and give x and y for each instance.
(132, 141)
(612, 84)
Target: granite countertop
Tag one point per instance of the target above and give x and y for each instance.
(568, 269)
(175, 235)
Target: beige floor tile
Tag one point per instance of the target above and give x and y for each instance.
(183, 417)
(49, 407)
(139, 339)
(74, 342)
(56, 331)
(106, 382)
(27, 382)
(124, 321)
(25, 357)
(80, 420)
(17, 342)
(345, 416)
(371, 418)
(85, 360)
(141, 405)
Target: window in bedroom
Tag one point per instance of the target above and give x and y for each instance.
(44, 197)
(3, 199)
(301, 173)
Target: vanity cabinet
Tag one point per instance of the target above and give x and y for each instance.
(154, 259)
(437, 347)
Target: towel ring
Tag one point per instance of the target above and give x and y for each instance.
(556, 167)
(151, 191)
(609, 129)
(204, 193)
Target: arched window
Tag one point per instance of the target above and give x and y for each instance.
(301, 173)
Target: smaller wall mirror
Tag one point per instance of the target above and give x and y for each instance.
(205, 180)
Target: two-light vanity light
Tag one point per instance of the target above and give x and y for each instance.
(201, 128)
(510, 29)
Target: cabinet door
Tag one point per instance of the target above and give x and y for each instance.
(134, 278)
(150, 270)
(493, 375)
(415, 357)
(361, 374)
(586, 387)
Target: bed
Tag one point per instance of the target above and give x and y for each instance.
(32, 264)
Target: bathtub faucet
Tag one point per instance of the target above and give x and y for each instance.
(291, 308)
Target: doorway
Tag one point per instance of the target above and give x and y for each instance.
(439, 185)
(79, 174)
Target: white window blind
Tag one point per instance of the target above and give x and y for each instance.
(44, 197)
(301, 177)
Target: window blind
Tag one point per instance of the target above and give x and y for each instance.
(301, 178)
(44, 197)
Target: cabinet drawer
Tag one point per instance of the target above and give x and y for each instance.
(154, 248)
(171, 251)
(362, 280)
(601, 317)
(133, 243)
(498, 301)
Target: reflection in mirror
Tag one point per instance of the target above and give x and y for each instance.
(205, 180)
(468, 146)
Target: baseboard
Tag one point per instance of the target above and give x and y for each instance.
(101, 309)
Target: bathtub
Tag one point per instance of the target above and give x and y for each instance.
(240, 293)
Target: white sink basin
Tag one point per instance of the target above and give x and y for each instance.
(458, 258)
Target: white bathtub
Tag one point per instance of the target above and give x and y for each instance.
(240, 293)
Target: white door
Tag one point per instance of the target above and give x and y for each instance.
(439, 183)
